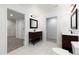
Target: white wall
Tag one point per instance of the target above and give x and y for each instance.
(76, 31)
(51, 28)
(3, 30)
(39, 15)
(78, 18)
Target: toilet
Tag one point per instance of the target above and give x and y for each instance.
(60, 51)
(75, 47)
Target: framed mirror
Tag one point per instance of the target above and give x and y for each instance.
(33, 23)
(74, 20)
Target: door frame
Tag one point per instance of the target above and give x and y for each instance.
(56, 26)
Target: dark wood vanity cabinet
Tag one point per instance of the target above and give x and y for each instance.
(35, 37)
(66, 42)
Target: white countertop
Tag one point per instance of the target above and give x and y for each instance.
(70, 34)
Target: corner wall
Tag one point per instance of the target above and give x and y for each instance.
(3, 30)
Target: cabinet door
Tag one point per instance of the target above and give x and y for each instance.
(66, 40)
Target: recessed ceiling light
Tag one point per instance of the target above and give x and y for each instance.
(11, 14)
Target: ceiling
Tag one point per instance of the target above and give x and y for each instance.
(14, 15)
(17, 15)
(43, 7)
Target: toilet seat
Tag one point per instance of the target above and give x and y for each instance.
(60, 51)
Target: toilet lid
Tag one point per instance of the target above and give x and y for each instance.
(61, 51)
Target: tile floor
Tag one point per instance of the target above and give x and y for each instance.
(41, 48)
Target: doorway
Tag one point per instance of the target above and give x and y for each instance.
(51, 29)
(15, 30)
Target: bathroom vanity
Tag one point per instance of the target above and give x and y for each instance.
(35, 37)
(66, 41)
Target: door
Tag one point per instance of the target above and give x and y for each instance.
(52, 29)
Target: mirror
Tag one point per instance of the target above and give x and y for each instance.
(74, 20)
(33, 23)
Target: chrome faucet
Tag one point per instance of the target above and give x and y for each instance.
(71, 31)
